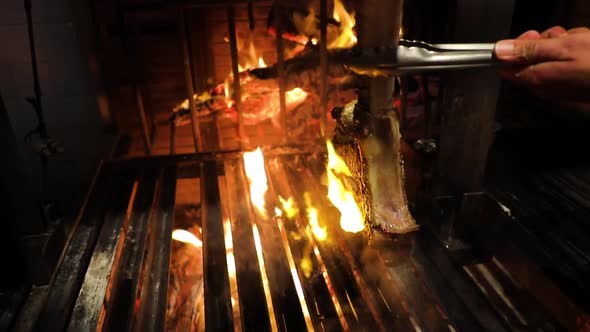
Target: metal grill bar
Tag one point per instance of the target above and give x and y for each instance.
(254, 312)
(407, 284)
(189, 78)
(109, 198)
(286, 305)
(154, 287)
(237, 90)
(89, 303)
(218, 309)
(120, 299)
(323, 312)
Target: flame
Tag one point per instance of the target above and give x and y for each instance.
(347, 38)
(254, 166)
(306, 266)
(320, 233)
(185, 236)
(351, 218)
(261, 63)
(289, 207)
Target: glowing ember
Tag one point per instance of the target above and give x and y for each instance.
(347, 38)
(351, 218)
(319, 232)
(254, 166)
(186, 237)
(289, 207)
(294, 96)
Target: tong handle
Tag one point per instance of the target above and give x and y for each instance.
(417, 56)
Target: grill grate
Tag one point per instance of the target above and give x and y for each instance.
(114, 273)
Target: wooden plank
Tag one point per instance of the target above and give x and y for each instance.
(110, 191)
(218, 309)
(119, 303)
(154, 287)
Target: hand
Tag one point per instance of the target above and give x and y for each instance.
(554, 64)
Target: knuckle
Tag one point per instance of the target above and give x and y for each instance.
(527, 51)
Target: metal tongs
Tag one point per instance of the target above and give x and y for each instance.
(417, 56)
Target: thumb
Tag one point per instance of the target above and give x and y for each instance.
(530, 51)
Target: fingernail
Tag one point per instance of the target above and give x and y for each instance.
(505, 50)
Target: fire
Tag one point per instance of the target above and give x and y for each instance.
(184, 236)
(351, 218)
(289, 207)
(346, 38)
(320, 233)
(295, 96)
(254, 166)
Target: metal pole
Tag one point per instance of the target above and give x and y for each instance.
(37, 86)
(172, 138)
(190, 85)
(237, 93)
(323, 66)
(143, 120)
(281, 72)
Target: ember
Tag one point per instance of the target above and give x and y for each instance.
(187, 237)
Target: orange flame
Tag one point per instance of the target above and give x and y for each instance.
(185, 236)
(320, 233)
(346, 38)
(351, 218)
(289, 207)
(254, 166)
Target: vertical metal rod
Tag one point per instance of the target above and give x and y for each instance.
(281, 71)
(37, 86)
(145, 133)
(190, 85)
(172, 138)
(137, 77)
(323, 65)
(237, 93)
(251, 15)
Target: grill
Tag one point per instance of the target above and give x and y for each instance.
(269, 274)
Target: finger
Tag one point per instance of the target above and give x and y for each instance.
(530, 35)
(530, 51)
(509, 73)
(578, 30)
(553, 32)
(541, 74)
